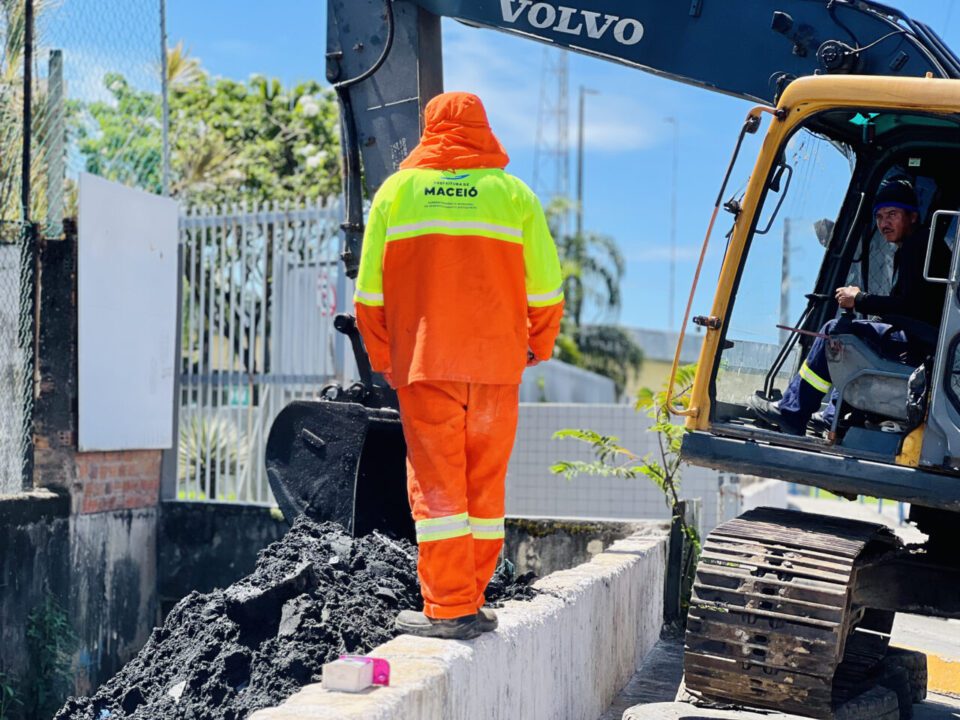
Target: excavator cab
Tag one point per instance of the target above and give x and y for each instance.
(803, 227)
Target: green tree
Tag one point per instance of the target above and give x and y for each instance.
(231, 142)
(12, 25)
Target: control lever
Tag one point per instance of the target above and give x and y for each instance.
(372, 390)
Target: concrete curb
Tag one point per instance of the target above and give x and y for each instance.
(565, 654)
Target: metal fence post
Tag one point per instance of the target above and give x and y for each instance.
(170, 457)
(56, 153)
(28, 254)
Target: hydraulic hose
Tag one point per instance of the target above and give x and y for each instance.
(353, 182)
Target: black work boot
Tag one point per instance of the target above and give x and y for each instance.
(416, 623)
(486, 619)
(770, 413)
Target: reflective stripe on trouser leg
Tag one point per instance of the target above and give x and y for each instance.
(434, 426)
(815, 381)
(443, 528)
(486, 528)
(491, 428)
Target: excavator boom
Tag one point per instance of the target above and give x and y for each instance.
(749, 48)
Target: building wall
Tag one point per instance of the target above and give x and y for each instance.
(205, 545)
(533, 490)
(558, 382)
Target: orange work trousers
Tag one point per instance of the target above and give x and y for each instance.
(459, 437)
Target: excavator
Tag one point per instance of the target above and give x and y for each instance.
(789, 611)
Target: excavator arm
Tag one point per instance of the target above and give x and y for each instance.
(384, 57)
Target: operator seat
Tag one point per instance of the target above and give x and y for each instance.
(868, 381)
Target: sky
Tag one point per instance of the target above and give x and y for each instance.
(629, 141)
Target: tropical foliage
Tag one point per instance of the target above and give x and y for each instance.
(12, 25)
(211, 450)
(230, 142)
(593, 268)
(661, 467)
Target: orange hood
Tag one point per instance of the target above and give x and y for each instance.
(457, 135)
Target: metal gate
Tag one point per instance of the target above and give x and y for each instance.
(260, 289)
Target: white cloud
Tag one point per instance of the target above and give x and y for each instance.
(507, 74)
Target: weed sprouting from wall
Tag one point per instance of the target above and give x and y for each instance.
(10, 701)
(50, 643)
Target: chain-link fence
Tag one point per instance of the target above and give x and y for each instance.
(82, 84)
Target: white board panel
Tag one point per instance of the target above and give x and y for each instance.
(127, 305)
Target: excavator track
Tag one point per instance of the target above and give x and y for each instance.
(772, 623)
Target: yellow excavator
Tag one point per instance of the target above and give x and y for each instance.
(790, 611)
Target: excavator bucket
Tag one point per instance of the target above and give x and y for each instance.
(343, 458)
(341, 462)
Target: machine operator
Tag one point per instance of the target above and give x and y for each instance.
(897, 215)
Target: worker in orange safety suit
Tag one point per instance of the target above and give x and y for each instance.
(459, 289)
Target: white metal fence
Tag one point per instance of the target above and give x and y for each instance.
(260, 289)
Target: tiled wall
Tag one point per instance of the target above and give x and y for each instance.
(533, 490)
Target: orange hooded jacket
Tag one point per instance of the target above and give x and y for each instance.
(459, 277)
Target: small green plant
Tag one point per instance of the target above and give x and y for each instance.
(50, 645)
(9, 701)
(662, 467)
(541, 389)
(210, 447)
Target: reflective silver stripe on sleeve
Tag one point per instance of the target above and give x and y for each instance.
(368, 296)
(545, 296)
(455, 225)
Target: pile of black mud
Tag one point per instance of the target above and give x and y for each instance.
(314, 595)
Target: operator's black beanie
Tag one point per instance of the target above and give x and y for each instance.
(896, 192)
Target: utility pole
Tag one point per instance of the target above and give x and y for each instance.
(785, 283)
(584, 91)
(673, 221)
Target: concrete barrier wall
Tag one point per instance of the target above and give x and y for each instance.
(565, 654)
(766, 493)
(204, 545)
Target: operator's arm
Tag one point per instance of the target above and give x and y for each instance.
(911, 295)
(544, 282)
(368, 297)
(881, 304)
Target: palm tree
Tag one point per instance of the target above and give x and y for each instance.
(181, 68)
(593, 268)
